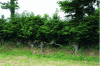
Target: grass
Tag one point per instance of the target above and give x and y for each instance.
(24, 56)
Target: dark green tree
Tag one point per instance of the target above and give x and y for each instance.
(77, 7)
(12, 5)
(79, 26)
(2, 22)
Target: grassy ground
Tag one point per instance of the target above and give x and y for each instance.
(25, 56)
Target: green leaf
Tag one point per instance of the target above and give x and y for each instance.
(64, 33)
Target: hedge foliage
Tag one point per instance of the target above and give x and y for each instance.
(30, 27)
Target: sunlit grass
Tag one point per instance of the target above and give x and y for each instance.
(12, 56)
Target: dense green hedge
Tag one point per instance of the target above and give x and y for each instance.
(45, 28)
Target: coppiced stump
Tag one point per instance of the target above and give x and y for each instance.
(36, 42)
(19, 42)
(41, 47)
(2, 41)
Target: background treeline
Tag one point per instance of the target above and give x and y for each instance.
(27, 26)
